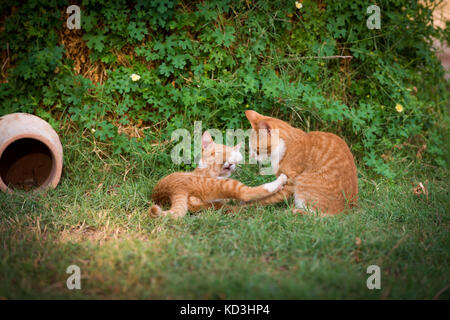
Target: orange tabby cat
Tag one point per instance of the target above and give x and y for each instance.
(319, 165)
(208, 185)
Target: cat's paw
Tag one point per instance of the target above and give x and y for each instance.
(155, 211)
(282, 178)
(276, 185)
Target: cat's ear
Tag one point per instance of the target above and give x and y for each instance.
(263, 125)
(252, 116)
(207, 140)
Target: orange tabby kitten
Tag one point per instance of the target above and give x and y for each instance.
(208, 185)
(319, 165)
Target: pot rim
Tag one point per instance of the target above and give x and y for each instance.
(55, 172)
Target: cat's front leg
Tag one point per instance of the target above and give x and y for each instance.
(262, 191)
(282, 195)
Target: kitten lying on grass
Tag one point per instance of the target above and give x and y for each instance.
(208, 185)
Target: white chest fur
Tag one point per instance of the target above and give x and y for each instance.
(277, 155)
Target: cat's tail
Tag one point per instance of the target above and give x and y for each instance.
(155, 211)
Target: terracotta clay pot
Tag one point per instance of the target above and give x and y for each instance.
(31, 155)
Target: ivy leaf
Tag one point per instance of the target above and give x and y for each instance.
(88, 21)
(160, 47)
(95, 42)
(179, 61)
(137, 30)
(165, 69)
(226, 38)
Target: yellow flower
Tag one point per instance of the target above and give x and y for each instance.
(246, 106)
(135, 77)
(399, 107)
(298, 4)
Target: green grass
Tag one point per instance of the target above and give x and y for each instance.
(97, 219)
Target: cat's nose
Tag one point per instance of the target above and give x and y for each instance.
(229, 166)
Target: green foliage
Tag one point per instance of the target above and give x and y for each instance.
(211, 60)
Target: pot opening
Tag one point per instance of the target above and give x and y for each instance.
(26, 164)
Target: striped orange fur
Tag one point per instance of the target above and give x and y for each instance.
(320, 167)
(208, 185)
